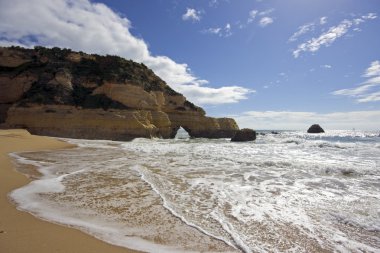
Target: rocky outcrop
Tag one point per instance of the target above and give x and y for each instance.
(245, 134)
(199, 127)
(62, 93)
(315, 129)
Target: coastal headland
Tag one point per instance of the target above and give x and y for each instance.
(62, 93)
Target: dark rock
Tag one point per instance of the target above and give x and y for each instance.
(315, 129)
(274, 132)
(245, 134)
(3, 112)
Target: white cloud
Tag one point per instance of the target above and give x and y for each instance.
(227, 30)
(323, 20)
(326, 66)
(309, 27)
(265, 21)
(289, 120)
(302, 30)
(375, 96)
(94, 28)
(370, 16)
(222, 95)
(222, 32)
(192, 14)
(266, 12)
(367, 91)
(357, 21)
(354, 92)
(252, 15)
(373, 70)
(325, 39)
(212, 30)
(328, 37)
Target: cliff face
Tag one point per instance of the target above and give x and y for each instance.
(62, 93)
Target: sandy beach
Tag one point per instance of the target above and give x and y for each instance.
(21, 232)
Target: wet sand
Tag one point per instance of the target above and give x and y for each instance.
(21, 232)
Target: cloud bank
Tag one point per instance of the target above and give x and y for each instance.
(287, 120)
(95, 28)
(369, 90)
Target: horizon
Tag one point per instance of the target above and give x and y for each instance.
(285, 65)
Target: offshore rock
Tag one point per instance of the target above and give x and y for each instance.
(62, 93)
(315, 129)
(245, 134)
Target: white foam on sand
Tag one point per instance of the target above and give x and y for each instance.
(140, 170)
(36, 198)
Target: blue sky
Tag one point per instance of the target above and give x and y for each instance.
(281, 64)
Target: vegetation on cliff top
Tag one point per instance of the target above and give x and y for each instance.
(81, 68)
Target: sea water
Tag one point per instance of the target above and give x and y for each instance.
(286, 192)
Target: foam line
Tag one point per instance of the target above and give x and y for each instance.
(229, 229)
(171, 210)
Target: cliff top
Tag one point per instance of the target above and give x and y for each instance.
(63, 76)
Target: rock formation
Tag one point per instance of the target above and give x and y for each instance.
(315, 129)
(62, 93)
(245, 134)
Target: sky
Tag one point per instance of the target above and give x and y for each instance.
(270, 64)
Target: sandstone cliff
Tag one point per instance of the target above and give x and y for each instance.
(62, 93)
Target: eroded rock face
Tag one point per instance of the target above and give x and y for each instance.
(63, 77)
(13, 88)
(132, 96)
(73, 122)
(62, 93)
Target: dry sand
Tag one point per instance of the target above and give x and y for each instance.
(21, 232)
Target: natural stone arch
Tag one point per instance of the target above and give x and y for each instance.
(182, 133)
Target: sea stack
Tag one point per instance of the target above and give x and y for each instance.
(245, 134)
(59, 92)
(315, 129)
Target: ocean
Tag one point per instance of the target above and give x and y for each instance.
(285, 192)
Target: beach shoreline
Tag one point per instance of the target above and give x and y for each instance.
(22, 232)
